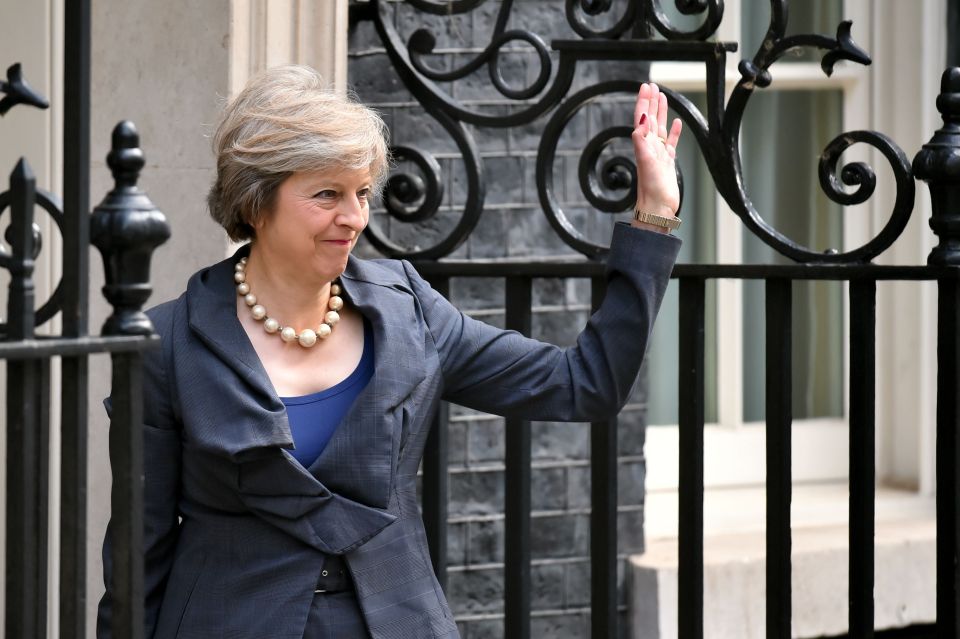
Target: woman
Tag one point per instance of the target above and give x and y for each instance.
(288, 406)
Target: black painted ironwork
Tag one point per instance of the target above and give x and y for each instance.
(863, 316)
(127, 229)
(603, 511)
(75, 300)
(517, 475)
(691, 422)
(717, 132)
(641, 32)
(18, 91)
(938, 163)
(779, 328)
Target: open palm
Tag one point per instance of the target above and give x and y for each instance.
(655, 149)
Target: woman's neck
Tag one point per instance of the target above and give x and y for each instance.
(290, 296)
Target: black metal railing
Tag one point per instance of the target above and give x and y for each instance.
(642, 32)
(126, 228)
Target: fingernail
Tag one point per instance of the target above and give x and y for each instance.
(643, 119)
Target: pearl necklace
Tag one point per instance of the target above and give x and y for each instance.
(307, 337)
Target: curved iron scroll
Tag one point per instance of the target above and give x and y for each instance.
(717, 133)
(54, 208)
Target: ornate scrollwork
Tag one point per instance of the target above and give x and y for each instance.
(713, 9)
(411, 198)
(862, 176)
(595, 8)
(54, 208)
(452, 7)
(422, 43)
(608, 180)
(616, 173)
(408, 197)
(420, 79)
(755, 74)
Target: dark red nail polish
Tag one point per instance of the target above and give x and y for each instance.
(643, 118)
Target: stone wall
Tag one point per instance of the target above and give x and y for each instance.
(513, 226)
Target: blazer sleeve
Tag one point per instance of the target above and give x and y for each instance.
(161, 471)
(505, 373)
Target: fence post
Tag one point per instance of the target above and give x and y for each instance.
(938, 163)
(126, 228)
(27, 428)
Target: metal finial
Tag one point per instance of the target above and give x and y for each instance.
(948, 102)
(125, 158)
(126, 228)
(938, 164)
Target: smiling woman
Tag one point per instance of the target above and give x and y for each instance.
(287, 410)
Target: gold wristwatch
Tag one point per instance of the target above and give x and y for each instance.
(669, 223)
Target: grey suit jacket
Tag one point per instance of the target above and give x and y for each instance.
(236, 530)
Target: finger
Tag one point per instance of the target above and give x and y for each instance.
(662, 115)
(644, 124)
(643, 103)
(675, 130)
(654, 106)
(671, 151)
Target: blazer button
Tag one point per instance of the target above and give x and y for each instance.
(324, 573)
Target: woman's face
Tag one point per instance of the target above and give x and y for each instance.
(315, 221)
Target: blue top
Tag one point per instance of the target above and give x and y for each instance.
(314, 418)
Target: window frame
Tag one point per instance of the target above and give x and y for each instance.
(820, 446)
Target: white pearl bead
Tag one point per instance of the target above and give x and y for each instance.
(334, 289)
(323, 331)
(239, 277)
(332, 317)
(288, 334)
(271, 325)
(250, 299)
(307, 338)
(239, 266)
(243, 260)
(243, 288)
(258, 312)
(335, 303)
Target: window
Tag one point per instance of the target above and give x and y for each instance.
(784, 130)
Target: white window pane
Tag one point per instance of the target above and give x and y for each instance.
(698, 233)
(809, 16)
(782, 137)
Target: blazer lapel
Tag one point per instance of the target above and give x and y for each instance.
(360, 459)
(249, 415)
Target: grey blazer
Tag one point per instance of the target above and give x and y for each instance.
(236, 530)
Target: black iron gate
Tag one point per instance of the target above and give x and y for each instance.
(126, 228)
(412, 198)
(640, 32)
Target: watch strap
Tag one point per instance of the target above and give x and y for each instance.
(670, 223)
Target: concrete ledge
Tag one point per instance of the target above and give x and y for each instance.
(734, 582)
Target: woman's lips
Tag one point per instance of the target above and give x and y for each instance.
(340, 242)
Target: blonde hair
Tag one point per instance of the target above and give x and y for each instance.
(287, 119)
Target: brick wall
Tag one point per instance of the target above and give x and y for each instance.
(513, 225)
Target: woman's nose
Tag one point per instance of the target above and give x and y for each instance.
(352, 213)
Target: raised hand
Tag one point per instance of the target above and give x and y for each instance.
(655, 149)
